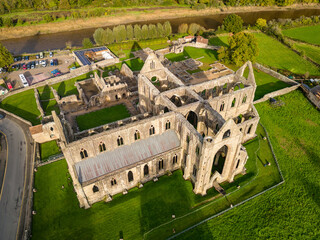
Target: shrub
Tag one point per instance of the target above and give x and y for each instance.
(261, 23)
(194, 28)
(167, 29)
(86, 43)
(99, 36)
(183, 28)
(8, 22)
(233, 23)
(47, 18)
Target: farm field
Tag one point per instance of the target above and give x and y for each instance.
(305, 34)
(48, 149)
(103, 116)
(278, 214)
(312, 52)
(132, 216)
(24, 105)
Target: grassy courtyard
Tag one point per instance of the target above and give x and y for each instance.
(311, 51)
(49, 106)
(24, 105)
(135, 64)
(45, 93)
(139, 214)
(290, 211)
(103, 116)
(48, 149)
(309, 34)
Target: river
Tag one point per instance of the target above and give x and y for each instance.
(58, 40)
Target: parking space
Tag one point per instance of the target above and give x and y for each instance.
(43, 69)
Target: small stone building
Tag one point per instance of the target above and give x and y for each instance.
(199, 128)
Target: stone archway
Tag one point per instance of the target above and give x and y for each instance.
(192, 118)
(219, 160)
(176, 100)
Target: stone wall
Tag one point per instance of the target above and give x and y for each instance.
(126, 71)
(277, 93)
(274, 74)
(311, 96)
(36, 96)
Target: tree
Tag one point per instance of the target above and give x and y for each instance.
(137, 32)
(194, 28)
(261, 23)
(129, 32)
(64, 4)
(99, 36)
(183, 28)
(47, 18)
(160, 30)
(8, 22)
(116, 34)
(233, 23)
(109, 36)
(6, 57)
(86, 43)
(145, 32)
(242, 47)
(153, 33)
(167, 29)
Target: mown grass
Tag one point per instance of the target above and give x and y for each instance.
(135, 64)
(206, 56)
(274, 54)
(290, 211)
(24, 105)
(101, 117)
(312, 52)
(48, 149)
(45, 93)
(49, 106)
(131, 216)
(309, 34)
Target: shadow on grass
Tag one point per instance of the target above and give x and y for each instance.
(33, 118)
(268, 88)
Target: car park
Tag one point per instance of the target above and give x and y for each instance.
(15, 59)
(51, 62)
(51, 54)
(19, 58)
(37, 56)
(24, 67)
(41, 55)
(55, 62)
(26, 57)
(37, 63)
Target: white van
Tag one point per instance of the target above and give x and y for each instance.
(24, 80)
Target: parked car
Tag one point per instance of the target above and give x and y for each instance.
(15, 59)
(37, 56)
(55, 62)
(51, 54)
(19, 58)
(26, 58)
(37, 63)
(55, 72)
(9, 85)
(28, 65)
(24, 67)
(51, 62)
(41, 55)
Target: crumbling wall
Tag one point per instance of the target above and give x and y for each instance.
(36, 96)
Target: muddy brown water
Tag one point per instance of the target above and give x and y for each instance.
(58, 40)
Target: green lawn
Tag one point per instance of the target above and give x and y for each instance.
(24, 105)
(206, 56)
(135, 64)
(292, 210)
(49, 106)
(45, 93)
(309, 34)
(312, 52)
(132, 216)
(103, 116)
(67, 87)
(274, 54)
(49, 149)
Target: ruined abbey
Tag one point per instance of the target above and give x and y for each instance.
(194, 122)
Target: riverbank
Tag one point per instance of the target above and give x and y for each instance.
(132, 17)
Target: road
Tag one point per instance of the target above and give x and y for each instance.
(13, 184)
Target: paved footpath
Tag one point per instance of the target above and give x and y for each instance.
(13, 185)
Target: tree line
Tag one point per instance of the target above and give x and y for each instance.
(122, 33)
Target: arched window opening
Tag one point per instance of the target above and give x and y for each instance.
(238, 163)
(51, 129)
(168, 125)
(113, 182)
(151, 130)
(249, 130)
(217, 127)
(83, 153)
(174, 159)
(102, 147)
(203, 93)
(226, 134)
(137, 135)
(225, 86)
(233, 102)
(95, 189)
(240, 129)
(214, 91)
(152, 65)
(176, 100)
(194, 172)
(193, 119)
(166, 110)
(244, 99)
(160, 164)
(219, 160)
(222, 107)
(120, 141)
(188, 139)
(197, 150)
(130, 176)
(146, 170)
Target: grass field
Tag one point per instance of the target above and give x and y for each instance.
(67, 87)
(103, 116)
(274, 54)
(292, 210)
(311, 51)
(131, 216)
(45, 93)
(135, 64)
(309, 34)
(206, 56)
(48, 149)
(49, 106)
(24, 105)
